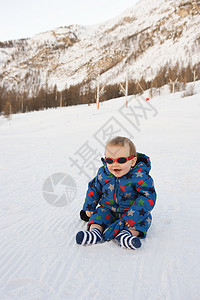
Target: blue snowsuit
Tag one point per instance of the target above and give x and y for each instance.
(122, 202)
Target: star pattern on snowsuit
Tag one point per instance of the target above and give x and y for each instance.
(131, 212)
(108, 217)
(142, 212)
(130, 183)
(139, 174)
(113, 209)
(142, 223)
(126, 209)
(151, 202)
(140, 182)
(91, 193)
(106, 192)
(151, 190)
(106, 180)
(103, 225)
(128, 195)
(123, 198)
(115, 232)
(122, 187)
(89, 207)
(103, 209)
(149, 221)
(141, 202)
(131, 222)
(144, 184)
(145, 193)
(111, 187)
(100, 177)
(129, 175)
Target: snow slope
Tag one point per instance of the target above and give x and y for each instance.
(38, 255)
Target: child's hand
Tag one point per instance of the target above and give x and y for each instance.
(89, 213)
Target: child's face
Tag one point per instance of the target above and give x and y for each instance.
(117, 169)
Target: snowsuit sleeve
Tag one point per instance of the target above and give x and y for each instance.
(94, 193)
(143, 204)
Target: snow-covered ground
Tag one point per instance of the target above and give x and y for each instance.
(38, 255)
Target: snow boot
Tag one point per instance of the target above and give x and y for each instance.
(88, 237)
(127, 240)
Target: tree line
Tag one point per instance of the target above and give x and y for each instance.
(14, 102)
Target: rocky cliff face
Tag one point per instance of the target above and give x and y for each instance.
(151, 34)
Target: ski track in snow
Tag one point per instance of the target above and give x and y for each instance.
(38, 255)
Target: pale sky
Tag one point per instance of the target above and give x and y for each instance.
(23, 18)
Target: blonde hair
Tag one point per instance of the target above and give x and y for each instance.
(122, 141)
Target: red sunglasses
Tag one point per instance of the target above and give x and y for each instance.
(120, 160)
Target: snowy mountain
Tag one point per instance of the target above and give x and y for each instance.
(38, 255)
(146, 37)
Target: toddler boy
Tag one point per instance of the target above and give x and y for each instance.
(120, 198)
